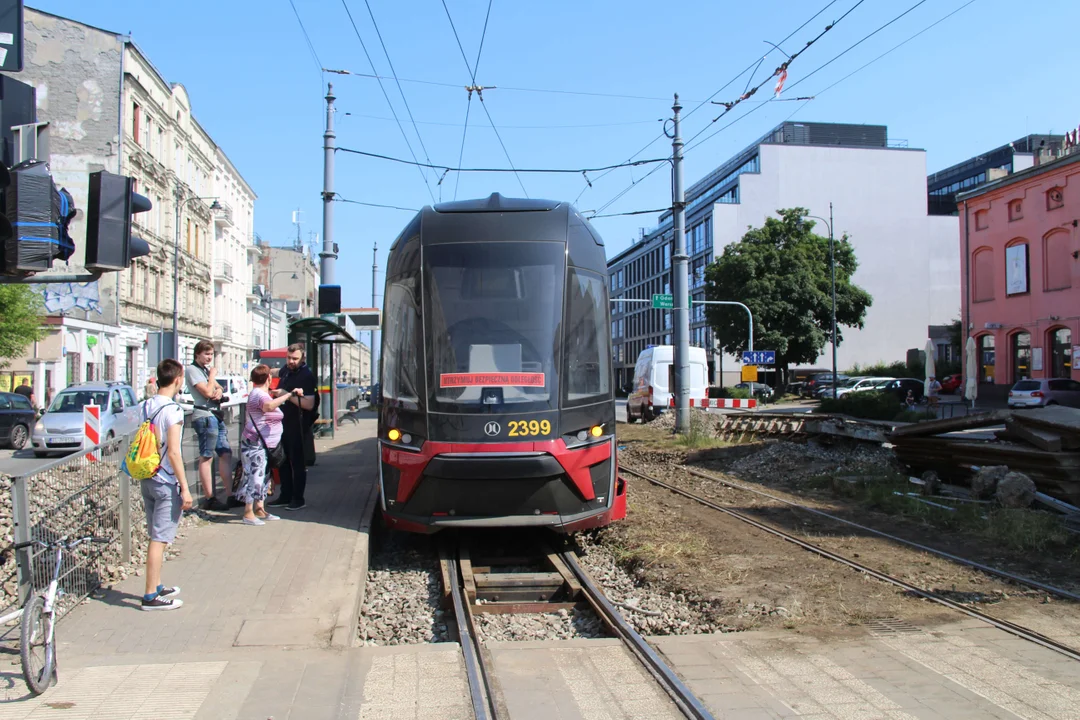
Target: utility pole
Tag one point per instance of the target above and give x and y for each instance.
(681, 285)
(328, 256)
(832, 269)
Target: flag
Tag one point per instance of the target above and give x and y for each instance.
(780, 81)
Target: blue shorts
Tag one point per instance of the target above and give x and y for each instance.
(213, 436)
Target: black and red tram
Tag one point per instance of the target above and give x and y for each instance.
(497, 388)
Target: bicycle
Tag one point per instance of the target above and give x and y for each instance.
(38, 619)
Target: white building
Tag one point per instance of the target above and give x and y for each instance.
(233, 252)
(908, 260)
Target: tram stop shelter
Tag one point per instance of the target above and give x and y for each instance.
(319, 336)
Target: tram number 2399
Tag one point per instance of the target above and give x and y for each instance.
(528, 428)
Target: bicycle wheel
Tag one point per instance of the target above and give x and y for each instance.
(36, 646)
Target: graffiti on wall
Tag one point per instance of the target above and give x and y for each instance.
(63, 297)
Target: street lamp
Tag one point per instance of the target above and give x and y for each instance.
(180, 205)
(832, 270)
(270, 301)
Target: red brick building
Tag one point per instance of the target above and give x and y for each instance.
(1020, 266)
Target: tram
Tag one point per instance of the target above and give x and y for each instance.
(497, 387)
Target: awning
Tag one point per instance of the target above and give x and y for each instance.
(321, 331)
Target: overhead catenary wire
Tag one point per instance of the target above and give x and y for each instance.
(386, 95)
(338, 198)
(519, 127)
(479, 91)
(575, 171)
(473, 70)
(307, 38)
(397, 82)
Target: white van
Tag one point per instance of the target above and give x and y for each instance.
(651, 394)
(234, 387)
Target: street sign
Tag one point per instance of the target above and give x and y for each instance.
(759, 357)
(663, 301)
(749, 373)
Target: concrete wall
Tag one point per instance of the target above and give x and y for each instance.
(908, 261)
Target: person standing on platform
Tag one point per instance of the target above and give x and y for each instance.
(295, 378)
(209, 423)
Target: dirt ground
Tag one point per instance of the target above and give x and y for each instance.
(761, 581)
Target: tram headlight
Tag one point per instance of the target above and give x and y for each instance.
(407, 439)
(583, 436)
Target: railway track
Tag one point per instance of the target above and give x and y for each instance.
(500, 585)
(1012, 628)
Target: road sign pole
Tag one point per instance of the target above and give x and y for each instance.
(750, 338)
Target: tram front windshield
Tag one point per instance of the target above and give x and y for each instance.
(494, 315)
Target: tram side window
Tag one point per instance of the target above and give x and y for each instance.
(403, 343)
(588, 355)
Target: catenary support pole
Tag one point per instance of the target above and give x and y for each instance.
(374, 332)
(680, 284)
(832, 269)
(328, 256)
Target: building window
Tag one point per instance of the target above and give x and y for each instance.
(667, 256)
(1055, 198)
(1016, 269)
(1021, 356)
(982, 264)
(1057, 268)
(982, 219)
(1061, 353)
(136, 123)
(1016, 210)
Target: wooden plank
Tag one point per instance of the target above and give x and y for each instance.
(444, 569)
(1042, 439)
(518, 580)
(567, 575)
(937, 427)
(465, 562)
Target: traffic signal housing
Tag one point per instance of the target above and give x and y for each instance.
(37, 215)
(112, 202)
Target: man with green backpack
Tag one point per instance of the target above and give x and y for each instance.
(155, 459)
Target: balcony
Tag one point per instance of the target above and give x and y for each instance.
(223, 215)
(223, 272)
(223, 333)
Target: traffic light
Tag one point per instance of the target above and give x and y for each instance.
(37, 215)
(113, 200)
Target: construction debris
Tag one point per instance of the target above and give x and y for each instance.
(1042, 444)
(1015, 490)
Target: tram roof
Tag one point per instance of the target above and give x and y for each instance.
(497, 203)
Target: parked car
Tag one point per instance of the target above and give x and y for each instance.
(17, 416)
(816, 382)
(951, 383)
(757, 390)
(825, 389)
(900, 386)
(857, 384)
(61, 428)
(1043, 392)
(234, 391)
(877, 383)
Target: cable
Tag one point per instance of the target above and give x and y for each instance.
(307, 39)
(475, 68)
(472, 74)
(516, 127)
(576, 171)
(393, 72)
(338, 198)
(388, 102)
(634, 212)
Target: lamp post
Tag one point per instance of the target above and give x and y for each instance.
(270, 301)
(832, 270)
(181, 204)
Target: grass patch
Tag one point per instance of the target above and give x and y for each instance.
(653, 438)
(1020, 530)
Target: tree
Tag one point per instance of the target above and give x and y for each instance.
(21, 311)
(781, 272)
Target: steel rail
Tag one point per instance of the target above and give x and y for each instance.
(680, 694)
(1017, 630)
(1020, 579)
(483, 700)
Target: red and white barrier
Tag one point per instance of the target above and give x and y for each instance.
(721, 403)
(91, 428)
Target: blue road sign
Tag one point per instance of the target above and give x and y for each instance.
(759, 357)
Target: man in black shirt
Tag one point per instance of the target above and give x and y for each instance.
(297, 377)
(26, 391)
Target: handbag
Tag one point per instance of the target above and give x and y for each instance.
(275, 456)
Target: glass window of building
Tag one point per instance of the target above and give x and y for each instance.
(1021, 356)
(986, 359)
(1061, 353)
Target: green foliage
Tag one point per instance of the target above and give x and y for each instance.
(21, 311)
(870, 405)
(781, 272)
(893, 370)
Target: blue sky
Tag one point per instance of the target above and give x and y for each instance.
(969, 84)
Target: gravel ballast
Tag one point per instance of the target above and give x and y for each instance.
(401, 602)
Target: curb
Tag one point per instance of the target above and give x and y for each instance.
(345, 624)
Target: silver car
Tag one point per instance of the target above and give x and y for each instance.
(1042, 392)
(61, 428)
